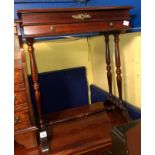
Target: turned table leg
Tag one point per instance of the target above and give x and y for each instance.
(118, 68)
(108, 62)
(109, 101)
(34, 74)
(119, 78)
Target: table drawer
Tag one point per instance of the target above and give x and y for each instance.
(21, 117)
(18, 76)
(20, 97)
(75, 28)
(74, 16)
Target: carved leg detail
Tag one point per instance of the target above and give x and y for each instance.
(109, 101)
(108, 61)
(119, 78)
(118, 65)
(34, 74)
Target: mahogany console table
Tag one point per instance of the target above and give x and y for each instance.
(66, 21)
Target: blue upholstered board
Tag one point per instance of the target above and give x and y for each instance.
(62, 89)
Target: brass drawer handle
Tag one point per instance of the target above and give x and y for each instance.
(81, 16)
(16, 119)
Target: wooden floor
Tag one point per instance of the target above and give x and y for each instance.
(89, 134)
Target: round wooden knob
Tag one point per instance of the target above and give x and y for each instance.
(111, 23)
(52, 28)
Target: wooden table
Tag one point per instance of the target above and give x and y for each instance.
(67, 21)
(87, 133)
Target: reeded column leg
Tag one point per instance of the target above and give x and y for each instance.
(34, 74)
(119, 78)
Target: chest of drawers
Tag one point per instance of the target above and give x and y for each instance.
(23, 115)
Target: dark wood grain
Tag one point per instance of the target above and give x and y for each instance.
(118, 65)
(35, 80)
(82, 134)
(75, 9)
(17, 32)
(82, 130)
(23, 113)
(119, 77)
(49, 22)
(133, 140)
(86, 135)
(66, 29)
(67, 17)
(108, 62)
(38, 22)
(74, 113)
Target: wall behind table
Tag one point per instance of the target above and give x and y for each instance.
(61, 54)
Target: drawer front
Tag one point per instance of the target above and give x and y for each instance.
(74, 16)
(18, 76)
(46, 30)
(21, 117)
(22, 126)
(18, 87)
(20, 97)
(19, 107)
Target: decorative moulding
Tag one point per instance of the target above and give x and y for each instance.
(47, 1)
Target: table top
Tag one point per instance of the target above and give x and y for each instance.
(69, 21)
(74, 9)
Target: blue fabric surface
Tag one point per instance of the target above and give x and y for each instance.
(62, 89)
